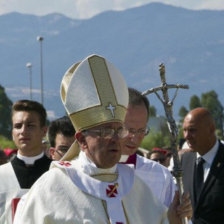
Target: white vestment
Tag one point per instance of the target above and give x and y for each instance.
(9, 189)
(74, 193)
(157, 177)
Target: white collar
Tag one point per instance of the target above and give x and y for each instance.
(88, 167)
(124, 158)
(210, 155)
(79, 171)
(29, 160)
(111, 192)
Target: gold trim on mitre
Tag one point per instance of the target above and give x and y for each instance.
(72, 152)
(95, 116)
(66, 80)
(93, 93)
(108, 110)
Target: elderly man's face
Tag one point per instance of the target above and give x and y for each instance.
(104, 151)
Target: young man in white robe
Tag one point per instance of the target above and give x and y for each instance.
(93, 188)
(17, 176)
(156, 176)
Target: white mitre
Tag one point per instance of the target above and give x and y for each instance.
(93, 92)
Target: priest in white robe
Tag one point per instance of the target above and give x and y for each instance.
(17, 176)
(93, 188)
(156, 176)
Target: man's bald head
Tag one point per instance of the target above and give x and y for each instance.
(199, 130)
(201, 114)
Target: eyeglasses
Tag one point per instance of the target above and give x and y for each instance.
(107, 132)
(59, 153)
(158, 160)
(61, 150)
(139, 132)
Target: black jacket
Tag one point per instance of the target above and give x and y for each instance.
(27, 175)
(210, 206)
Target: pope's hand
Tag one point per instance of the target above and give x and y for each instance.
(177, 211)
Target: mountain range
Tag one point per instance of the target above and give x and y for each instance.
(189, 42)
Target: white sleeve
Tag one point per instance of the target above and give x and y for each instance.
(170, 190)
(19, 209)
(31, 206)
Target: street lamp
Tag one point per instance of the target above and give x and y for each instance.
(29, 66)
(40, 39)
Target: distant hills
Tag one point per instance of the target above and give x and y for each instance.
(190, 44)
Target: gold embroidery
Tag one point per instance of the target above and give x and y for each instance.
(125, 213)
(106, 177)
(105, 209)
(113, 190)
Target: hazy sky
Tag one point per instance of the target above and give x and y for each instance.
(81, 9)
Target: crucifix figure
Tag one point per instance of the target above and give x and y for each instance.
(168, 107)
(111, 108)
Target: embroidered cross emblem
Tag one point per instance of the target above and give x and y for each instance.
(67, 164)
(111, 108)
(111, 191)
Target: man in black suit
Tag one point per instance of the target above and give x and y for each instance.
(207, 197)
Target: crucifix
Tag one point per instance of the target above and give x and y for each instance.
(111, 108)
(168, 107)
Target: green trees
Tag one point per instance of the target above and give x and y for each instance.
(194, 102)
(6, 143)
(210, 101)
(182, 113)
(160, 137)
(159, 133)
(156, 139)
(5, 114)
(152, 111)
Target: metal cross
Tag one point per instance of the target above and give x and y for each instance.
(168, 107)
(111, 108)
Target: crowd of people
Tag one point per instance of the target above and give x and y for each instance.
(92, 170)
